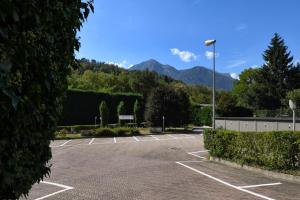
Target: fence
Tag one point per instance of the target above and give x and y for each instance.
(244, 124)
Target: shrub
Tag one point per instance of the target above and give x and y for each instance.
(105, 132)
(201, 115)
(168, 102)
(138, 113)
(104, 113)
(121, 111)
(77, 127)
(38, 39)
(273, 150)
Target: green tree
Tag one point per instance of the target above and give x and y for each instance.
(227, 107)
(244, 89)
(294, 95)
(37, 46)
(121, 110)
(138, 114)
(172, 104)
(104, 113)
(275, 74)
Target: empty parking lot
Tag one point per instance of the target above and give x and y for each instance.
(150, 167)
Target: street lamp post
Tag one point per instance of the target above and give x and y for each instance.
(209, 43)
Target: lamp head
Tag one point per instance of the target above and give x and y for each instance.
(210, 42)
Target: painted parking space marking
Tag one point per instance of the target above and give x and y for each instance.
(240, 188)
(136, 138)
(65, 188)
(171, 136)
(195, 153)
(63, 144)
(156, 138)
(225, 183)
(92, 140)
(103, 141)
(260, 185)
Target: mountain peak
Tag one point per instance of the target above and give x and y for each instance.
(195, 75)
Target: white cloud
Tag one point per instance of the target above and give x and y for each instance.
(236, 63)
(210, 54)
(254, 66)
(234, 76)
(297, 61)
(185, 56)
(123, 64)
(241, 27)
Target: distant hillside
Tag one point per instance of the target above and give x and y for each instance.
(196, 75)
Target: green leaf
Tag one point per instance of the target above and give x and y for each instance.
(5, 66)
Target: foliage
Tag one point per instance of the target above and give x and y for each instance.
(38, 39)
(138, 112)
(121, 108)
(172, 104)
(227, 107)
(89, 106)
(103, 77)
(201, 115)
(104, 113)
(121, 111)
(273, 150)
(267, 87)
(294, 95)
(111, 132)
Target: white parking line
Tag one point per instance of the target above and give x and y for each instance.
(65, 143)
(197, 155)
(172, 136)
(54, 193)
(225, 183)
(260, 185)
(135, 140)
(156, 138)
(115, 140)
(92, 140)
(203, 151)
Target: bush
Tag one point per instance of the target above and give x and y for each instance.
(104, 114)
(138, 113)
(201, 115)
(105, 132)
(77, 127)
(121, 111)
(173, 104)
(273, 150)
(37, 46)
(112, 132)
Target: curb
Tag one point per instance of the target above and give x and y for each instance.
(271, 174)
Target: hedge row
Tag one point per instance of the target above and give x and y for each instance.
(81, 107)
(272, 150)
(100, 132)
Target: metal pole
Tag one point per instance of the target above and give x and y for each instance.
(213, 106)
(95, 121)
(294, 120)
(163, 124)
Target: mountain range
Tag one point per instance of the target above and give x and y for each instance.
(197, 75)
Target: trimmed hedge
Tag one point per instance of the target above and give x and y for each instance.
(272, 150)
(110, 132)
(81, 107)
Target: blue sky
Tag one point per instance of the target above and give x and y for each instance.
(173, 31)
